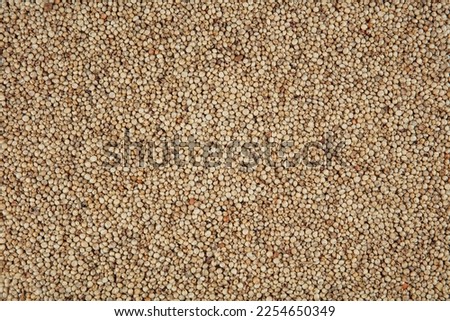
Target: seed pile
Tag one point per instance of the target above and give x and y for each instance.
(374, 225)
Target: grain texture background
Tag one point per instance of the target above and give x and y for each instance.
(76, 77)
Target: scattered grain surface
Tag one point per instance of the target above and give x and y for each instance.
(74, 76)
